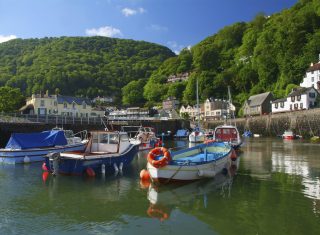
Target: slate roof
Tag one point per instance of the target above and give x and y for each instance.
(280, 100)
(69, 99)
(257, 100)
(314, 67)
(300, 91)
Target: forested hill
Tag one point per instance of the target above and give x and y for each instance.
(82, 66)
(270, 53)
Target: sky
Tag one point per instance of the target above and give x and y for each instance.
(173, 23)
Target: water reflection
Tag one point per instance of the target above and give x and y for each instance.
(163, 199)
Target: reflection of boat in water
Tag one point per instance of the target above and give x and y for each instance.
(164, 198)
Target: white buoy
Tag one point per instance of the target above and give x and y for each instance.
(103, 168)
(120, 166)
(26, 159)
(116, 169)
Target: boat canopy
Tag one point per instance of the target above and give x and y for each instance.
(36, 139)
(182, 133)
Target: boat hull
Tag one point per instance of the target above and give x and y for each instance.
(99, 163)
(190, 171)
(34, 155)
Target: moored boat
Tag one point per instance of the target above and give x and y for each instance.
(145, 137)
(32, 147)
(198, 162)
(229, 134)
(197, 136)
(288, 135)
(106, 151)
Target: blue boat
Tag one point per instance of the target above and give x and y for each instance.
(32, 147)
(107, 151)
(247, 133)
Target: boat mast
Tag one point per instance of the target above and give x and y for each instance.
(198, 104)
(230, 112)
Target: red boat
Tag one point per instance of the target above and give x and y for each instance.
(288, 135)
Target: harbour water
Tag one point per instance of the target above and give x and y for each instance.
(275, 190)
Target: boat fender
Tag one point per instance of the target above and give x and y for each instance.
(44, 167)
(116, 169)
(26, 159)
(120, 166)
(144, 175)
(233, 155)
(103, 168)
(90, 172)
(156, 152)
(206, 174)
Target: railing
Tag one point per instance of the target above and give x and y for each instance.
(62, 120)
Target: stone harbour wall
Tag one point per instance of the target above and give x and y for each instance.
(305, 123)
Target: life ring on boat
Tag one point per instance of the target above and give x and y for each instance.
(161, 162)
(154, 212)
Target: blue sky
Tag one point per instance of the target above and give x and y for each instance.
(172, 23)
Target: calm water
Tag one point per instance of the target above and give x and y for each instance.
(276, 190)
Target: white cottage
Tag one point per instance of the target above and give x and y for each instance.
(312, 77)
(299, 99)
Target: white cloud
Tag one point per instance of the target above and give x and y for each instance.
(176, 47)
(130, 12)
(106, 31)
(4, 38)
(159, 28)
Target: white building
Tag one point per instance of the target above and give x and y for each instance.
(215, 109)
(312, 78)
(192, 111)
(299, 99)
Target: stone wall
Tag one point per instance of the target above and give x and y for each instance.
(305, 123)
(161, 127)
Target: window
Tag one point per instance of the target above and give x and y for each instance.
(275, 105)
(124, 137)
(73, 105)
(298, 97)
(84, 105)
(312, 79)
(296, 106)
(65, 105)
(218, 113)
(290, 106)
(312, 95)
(301, 105)
(41, 103)
(55, 103)
(292, 98)
(282, 104)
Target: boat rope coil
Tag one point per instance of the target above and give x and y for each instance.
(162, 161)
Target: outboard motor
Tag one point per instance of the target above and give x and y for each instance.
(54, 162)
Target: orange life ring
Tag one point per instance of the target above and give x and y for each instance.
(156, 152)
(154, 212)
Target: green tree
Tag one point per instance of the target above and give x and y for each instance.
(132, 93)
(11, 99)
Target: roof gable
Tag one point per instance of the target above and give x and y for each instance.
(256, 100)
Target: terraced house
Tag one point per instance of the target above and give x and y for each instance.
(39, 104)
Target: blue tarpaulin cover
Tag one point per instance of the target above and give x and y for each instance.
(36, 140)
(182, 133)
